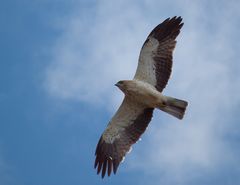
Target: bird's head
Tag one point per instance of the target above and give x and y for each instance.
(121, 84)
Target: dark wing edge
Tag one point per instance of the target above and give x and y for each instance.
(168, 28)
(109, 155)
(165, 33)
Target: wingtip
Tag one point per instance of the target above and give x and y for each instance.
(166, 20)
(103, 175)
(115, 166)
(99, 168)
(175, 19)
(96, 163)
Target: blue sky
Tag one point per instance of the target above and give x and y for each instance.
(59, 61)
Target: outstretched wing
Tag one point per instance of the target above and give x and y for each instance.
(155, 60)
(125, 128)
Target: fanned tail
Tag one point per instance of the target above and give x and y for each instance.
(175, 107)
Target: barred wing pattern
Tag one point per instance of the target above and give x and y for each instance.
(125, 128)
(155, 60)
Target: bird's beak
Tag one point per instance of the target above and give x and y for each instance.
(117, 84)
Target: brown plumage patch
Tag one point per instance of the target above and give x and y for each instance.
(109, 155)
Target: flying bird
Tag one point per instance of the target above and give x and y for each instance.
(142, 95)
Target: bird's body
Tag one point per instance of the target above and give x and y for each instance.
(139, 91)
(142, 95)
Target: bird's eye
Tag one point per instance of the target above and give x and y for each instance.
(120, 82)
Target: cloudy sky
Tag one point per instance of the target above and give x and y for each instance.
(59, 60)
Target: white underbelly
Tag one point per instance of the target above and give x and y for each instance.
(145, 94)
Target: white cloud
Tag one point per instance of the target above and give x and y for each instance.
(91, 55)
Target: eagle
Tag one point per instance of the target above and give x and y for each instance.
(142, 95)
